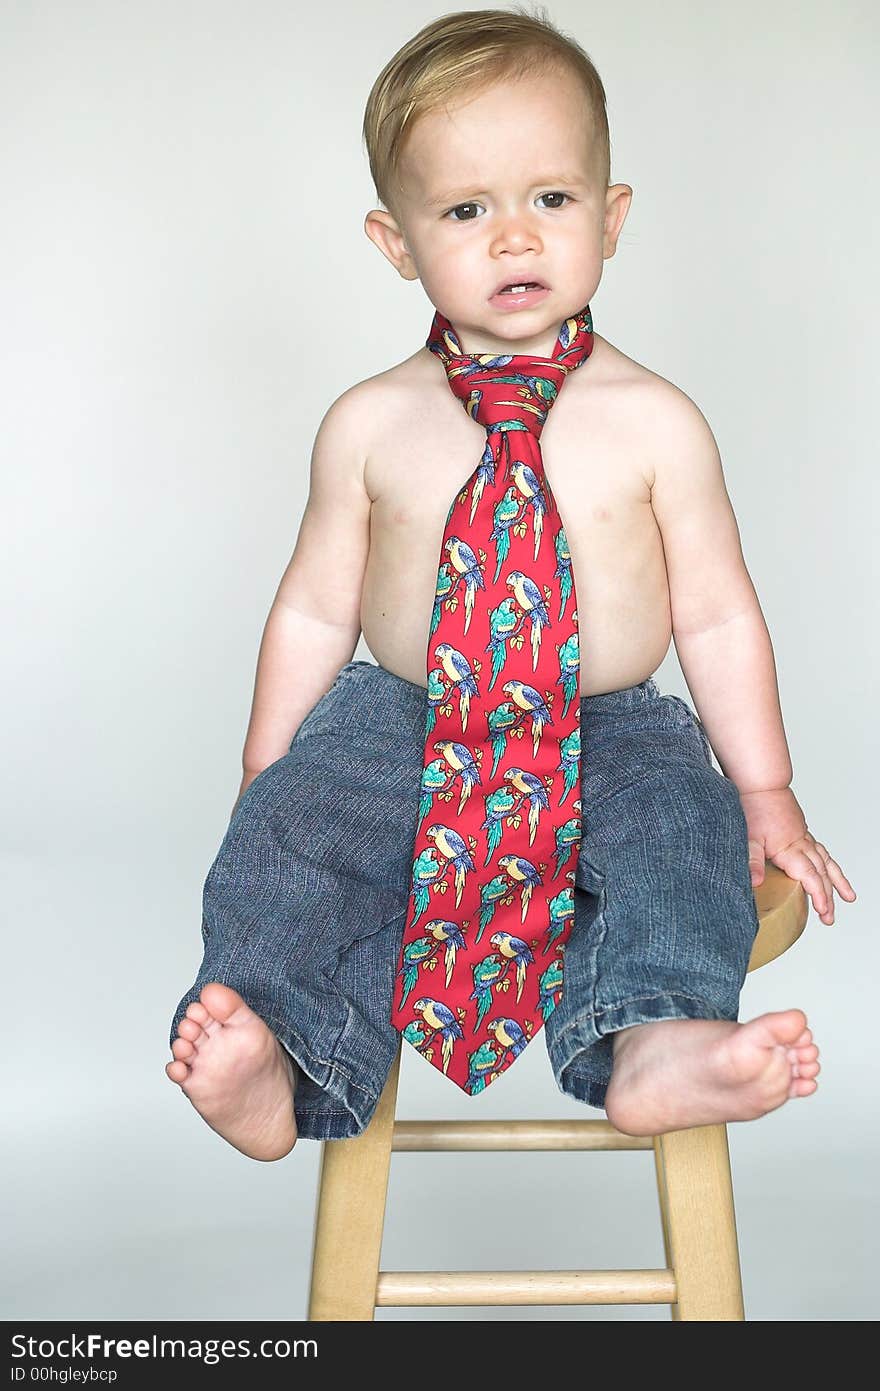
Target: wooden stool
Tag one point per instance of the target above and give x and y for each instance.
(702, 1275)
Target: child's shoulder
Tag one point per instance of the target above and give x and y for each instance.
(614, 372)
(638, 397)
(346, 433)
(357, 407)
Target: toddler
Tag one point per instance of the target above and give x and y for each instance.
(488, 143)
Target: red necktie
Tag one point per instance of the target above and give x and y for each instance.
(491, 908)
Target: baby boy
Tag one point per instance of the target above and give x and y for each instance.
(488, 143)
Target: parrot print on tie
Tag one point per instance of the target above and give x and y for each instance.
(499, 820)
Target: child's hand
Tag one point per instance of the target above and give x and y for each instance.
(778, 832)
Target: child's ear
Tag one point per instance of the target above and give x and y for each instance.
(384, 232)
(617, 201)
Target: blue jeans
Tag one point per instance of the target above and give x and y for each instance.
(305, 904)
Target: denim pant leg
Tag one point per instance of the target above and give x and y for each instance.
(305, 904)
(665, 914)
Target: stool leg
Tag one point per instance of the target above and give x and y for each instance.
(661, 1194)
(693, 1168)
(350, 1215)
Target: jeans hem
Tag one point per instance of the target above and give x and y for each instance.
(333, 1077)
(586, 1078)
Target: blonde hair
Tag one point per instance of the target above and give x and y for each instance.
(464, 53)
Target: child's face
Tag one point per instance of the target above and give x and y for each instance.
(481, 205)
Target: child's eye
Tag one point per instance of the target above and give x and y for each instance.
(459, 206)
(458, 209)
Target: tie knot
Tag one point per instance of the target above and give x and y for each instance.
(511, 391)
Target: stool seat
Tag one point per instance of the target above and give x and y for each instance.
(702, 1277)
(782, 916)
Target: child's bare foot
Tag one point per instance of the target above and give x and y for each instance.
(676, 1073)
(236, 1073)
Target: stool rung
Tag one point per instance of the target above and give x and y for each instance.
(493, 1287)
(514, 1135)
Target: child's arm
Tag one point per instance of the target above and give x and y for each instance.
(314, 622)
(720, 635)
(725, 652)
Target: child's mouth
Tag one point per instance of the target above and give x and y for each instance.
(519, 296)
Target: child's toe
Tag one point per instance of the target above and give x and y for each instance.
(802, 1086)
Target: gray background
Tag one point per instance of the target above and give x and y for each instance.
(186, 288)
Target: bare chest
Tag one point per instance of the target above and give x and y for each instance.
(594, 457)
(423, 448)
